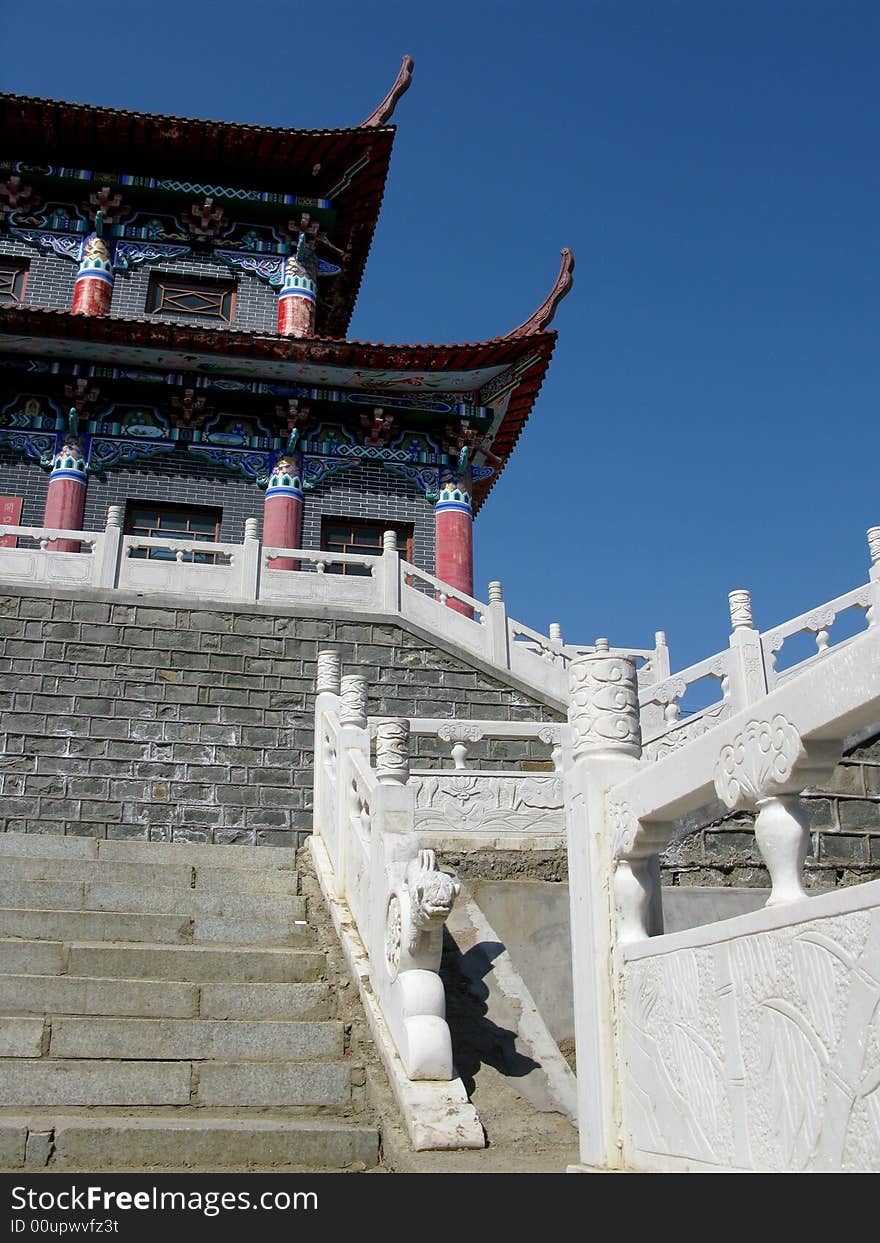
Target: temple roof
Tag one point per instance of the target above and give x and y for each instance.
(506, 372)
(347, 166)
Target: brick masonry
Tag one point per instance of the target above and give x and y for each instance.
(364, 492)
(845, 837)
(51, 278)
(135, 721)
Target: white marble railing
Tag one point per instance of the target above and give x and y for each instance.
(386, 587)
(399, 901)
(389, 901)
(499, 803)
(746, 1044)
(747, 669)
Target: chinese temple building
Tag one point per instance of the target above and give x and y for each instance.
(174, 301)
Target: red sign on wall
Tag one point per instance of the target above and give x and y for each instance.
(10, 516)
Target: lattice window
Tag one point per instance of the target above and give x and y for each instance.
(362, 538)
(173, 522)
(13, 277)
(192, 299)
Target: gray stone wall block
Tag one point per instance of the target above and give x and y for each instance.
(181, 724)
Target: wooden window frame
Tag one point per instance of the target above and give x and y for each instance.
(17, 271)
(349, 548)
(170, 509)
(165, 283)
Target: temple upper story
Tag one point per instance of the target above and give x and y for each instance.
(174, 296)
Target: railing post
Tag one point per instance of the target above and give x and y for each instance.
(352, 736)
(496, 621)
(107, 569)
(748, 676)
(660, 660)
(606, 745)
(326, 697)
(392, 752)
(874, 549)
(250, 560)
(390, 571)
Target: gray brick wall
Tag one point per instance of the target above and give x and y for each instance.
(369, 491)
(50, 278)
(128, 720)
(845, 839)
(25, 478)
(177, 479)
(255, 302)
(365, 491)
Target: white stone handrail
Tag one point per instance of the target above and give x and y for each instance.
(817, 621)
(443, 591)
(460, 734)
(389, 901)
(742, 1045)
(393, 589)
(179, 548)
(550, 650)
(379, 871)
(46, 535)
(747, 669)
(319, 558)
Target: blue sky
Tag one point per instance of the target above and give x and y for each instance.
(710, 416)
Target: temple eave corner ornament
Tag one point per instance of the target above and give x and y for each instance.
(543, 317)
(383, 114)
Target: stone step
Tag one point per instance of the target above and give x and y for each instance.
(54, 846)
(152, 876)
(33, 958)
(199, 963)
(59, 1082)
(184, 1143)
(147, 900)
(47, 846)
(67, 994)
(266, 1001)
(37, 925)
(138, 1039)
(198, 854)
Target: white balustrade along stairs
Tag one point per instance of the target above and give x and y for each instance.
(749, 1044)
(752, 1043)
(390, 589)
(390, 901)
(169, 1006)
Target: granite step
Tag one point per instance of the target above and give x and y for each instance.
(197, 1039)
(55, 846)
(30, 923)
(199, 963)
(184, 1143)
(57, 1082)
(152, 876)
(98, 895)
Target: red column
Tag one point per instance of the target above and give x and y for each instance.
(282, 512)
(298, 294)
(66, 495)
(453, 538)
(94, 280)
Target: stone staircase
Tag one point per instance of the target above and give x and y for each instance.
(168, 1006)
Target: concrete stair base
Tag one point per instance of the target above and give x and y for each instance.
(166, 1006)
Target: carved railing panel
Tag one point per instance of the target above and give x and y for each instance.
(758, 1050)
(489, 803)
